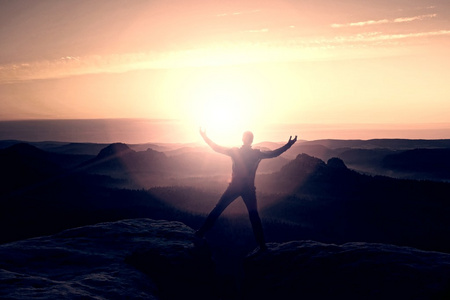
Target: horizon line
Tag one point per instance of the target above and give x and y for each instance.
(146, 130)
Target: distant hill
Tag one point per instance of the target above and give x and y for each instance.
(370, 158)
(435, 163)
(365, 160)
(393, 144)
(367, 156)
(23, 164)
(119, 158)
(25, 155)
(293, 175)
(76, 148)
(75, 200)
(339, 205)
(414, 159)
(113, 151)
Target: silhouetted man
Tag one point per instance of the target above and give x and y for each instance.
(245, 162)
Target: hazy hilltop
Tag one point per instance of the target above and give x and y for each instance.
(433, 162)
(390, 157)
(120, 158)
(387, 157)
(25, 165)
(344, 205)
(393, 144)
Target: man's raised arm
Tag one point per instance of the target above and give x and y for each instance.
(277, 152)
(214, 146)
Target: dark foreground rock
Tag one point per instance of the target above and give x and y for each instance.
(102, 262)
(147, 259)
(312, 270)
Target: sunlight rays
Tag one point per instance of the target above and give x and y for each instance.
(225, 104)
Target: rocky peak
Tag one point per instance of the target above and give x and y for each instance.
(24, 149)
(336, 163)
(303, 164)
(116, 149)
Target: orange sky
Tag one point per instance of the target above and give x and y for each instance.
(228, 66)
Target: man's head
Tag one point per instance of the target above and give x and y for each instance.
(247, 138)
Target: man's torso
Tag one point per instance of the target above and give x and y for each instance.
(245, 164)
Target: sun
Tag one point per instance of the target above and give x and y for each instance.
(229, 100)
(225, 104)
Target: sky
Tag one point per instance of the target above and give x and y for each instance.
(231, 66)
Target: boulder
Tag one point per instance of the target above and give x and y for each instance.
(102, 261)
(313, 270)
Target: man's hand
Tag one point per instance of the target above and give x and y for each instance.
(202, 132)
(292, 141)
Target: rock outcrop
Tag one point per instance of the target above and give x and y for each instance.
(148, 259)
(102, 261)
(312, 270)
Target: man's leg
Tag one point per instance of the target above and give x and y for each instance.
(250, 201)
(228, 196)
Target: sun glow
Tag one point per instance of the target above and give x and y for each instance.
(225, 104)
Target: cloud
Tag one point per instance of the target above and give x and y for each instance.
(296, 49)
(69, 58)
(368, 37)
(410, 19)
(363, 23)
(238, 13)
(409, 35)
(364, 42)
(72, 66)
(384, 21)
